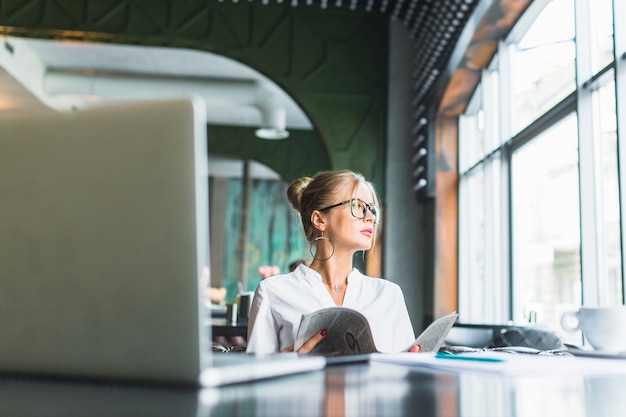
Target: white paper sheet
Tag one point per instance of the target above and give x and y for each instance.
(507, 363)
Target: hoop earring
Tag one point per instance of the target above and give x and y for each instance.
(316, 240)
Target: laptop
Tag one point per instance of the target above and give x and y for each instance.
(103, 238)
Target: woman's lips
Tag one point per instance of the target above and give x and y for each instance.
(368, 232)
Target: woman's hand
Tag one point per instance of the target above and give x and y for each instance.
(415, 348)
(309, 344)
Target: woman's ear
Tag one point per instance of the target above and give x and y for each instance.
(317, 220)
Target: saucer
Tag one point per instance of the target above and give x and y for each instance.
(595, 353)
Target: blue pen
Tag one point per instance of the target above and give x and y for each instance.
(443, 355)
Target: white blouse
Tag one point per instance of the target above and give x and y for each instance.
(280, 301)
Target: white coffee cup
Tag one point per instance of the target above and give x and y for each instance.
(603, 327)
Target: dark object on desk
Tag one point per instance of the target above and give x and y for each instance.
(540, 339)
(515, 350)
(495, 336)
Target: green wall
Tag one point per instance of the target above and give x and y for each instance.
(333, 63)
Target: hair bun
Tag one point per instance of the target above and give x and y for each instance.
(295, 190)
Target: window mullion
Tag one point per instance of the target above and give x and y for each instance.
(588, 193)
(505, 197)
(619, 10)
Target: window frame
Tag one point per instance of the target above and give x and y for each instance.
(578, 102)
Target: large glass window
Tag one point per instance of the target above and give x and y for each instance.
(481, 221)
(481, 289)
(542, 63)
(473, 294)
(473, 125)
(539, 162)
(607, 211)
(545, 218)
(601, 34)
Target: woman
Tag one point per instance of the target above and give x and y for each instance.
(339, 214)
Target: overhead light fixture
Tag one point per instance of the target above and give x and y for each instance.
(273, 124)
(271, 133)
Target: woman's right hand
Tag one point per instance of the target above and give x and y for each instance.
(309, 344)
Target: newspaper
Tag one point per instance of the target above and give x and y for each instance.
(349, 332)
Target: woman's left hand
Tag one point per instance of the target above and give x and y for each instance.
(415, 348)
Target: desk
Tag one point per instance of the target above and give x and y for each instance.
(358, 390)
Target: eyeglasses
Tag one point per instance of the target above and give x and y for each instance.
(359, 209)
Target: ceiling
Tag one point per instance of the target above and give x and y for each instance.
(38, 75)
(230, 89)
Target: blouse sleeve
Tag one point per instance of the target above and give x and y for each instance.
(262, 328)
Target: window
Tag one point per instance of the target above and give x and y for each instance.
(539, 193)
(542, 65)
(545, 219)
(600, 21)
(606, 187)
(481, 222)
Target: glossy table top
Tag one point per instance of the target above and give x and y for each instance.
(374, 389)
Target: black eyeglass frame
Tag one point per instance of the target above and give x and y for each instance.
(368, 207)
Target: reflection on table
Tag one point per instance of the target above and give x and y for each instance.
(358, 390)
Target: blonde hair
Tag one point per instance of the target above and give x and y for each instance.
(307, 194)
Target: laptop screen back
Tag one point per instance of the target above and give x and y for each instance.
(103, 235)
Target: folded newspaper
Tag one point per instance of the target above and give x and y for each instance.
(349, 332)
